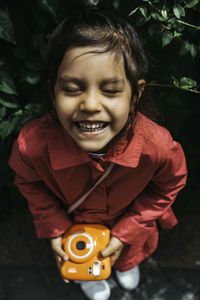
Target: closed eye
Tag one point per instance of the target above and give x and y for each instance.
(72, 91)
(111, 92)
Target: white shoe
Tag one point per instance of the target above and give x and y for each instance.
(95, 290)
(128, 280)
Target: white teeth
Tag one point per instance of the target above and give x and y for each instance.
(90, 125)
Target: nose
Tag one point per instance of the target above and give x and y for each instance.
(90, 102)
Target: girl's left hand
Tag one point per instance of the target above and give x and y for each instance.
(113, 250)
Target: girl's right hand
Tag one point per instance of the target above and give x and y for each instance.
(59, 253)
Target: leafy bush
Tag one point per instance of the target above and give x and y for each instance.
(170, 31)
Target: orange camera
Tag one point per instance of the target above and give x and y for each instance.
(83, 243)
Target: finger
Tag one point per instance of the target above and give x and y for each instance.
(65, 280)
(58, 260)
(60, 253)
(108, 251)
(115, 256)
(113, 246)
(59, 263)
(56, 245)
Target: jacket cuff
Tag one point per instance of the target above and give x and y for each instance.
(129, 231)
(168, 219)
(53, 226)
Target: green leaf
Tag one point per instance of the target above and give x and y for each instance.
(6, 27)
(175, 82)
(187, 83)
(33, 107)
(49, 5)
(193, 50)
(44, 4)
(154, 15)
(192, 3)
(178, 10)
(188, 48)
(167, 38)
(116, 3)
(171, 21)
(32, 78)
(2, 112)
(184, 83)
(160, 18)
(134, 11)
(8, 126)
(143, 11)
(177, 34)
(7, 85)
(185, 48)
(164, 13)
(8, 104)
(180, 26)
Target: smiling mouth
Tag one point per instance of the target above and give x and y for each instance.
(91, 126)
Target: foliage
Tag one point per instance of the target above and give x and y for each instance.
(169, 23)
(171, 32)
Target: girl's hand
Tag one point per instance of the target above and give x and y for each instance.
(113, 250)
(59, 253)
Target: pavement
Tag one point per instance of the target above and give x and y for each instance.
(45, 283)
(28, 270)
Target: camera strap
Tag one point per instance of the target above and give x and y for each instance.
(84, 196)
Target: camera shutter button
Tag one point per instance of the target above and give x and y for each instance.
(96, 269)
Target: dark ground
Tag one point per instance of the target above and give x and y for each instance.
(28, 270)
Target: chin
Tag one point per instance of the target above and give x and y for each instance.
(94, 149)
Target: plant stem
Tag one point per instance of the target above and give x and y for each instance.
(187, 24)
(179, 21)
(172, 86)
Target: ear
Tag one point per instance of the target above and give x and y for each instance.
(141, 86)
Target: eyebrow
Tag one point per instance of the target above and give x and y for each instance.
(69, 79)
(113, 80)
(104, 81)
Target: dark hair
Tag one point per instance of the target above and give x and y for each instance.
(103, 27)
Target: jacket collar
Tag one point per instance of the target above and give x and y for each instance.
(65, 153)
(127, 155)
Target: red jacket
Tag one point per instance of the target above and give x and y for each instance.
(52, 172)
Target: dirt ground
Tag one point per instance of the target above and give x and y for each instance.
(19, 246)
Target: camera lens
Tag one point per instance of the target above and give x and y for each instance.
(80, 245)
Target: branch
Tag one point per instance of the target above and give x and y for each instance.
(172, 86)
(187, 24)
(177, 20)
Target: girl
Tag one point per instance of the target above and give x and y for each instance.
(97, 71)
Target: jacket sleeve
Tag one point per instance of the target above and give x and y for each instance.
(156, 199)
(50, 218)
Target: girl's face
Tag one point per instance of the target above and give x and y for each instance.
(92, 97)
